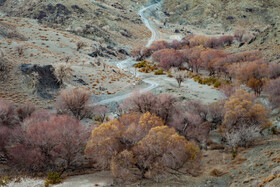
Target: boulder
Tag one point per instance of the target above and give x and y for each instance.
(46, 78)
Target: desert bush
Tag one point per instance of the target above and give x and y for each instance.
(256, 85)
(123, 167)
(193, 59)
(53, 178)
(136, 147)
(145, 66)
(74, 102)
(178, 75)
(111, 138)
(8, 114)
(168, 58)
(25, 110)
(273, 70)
(158, 45)
(226, 40)
(55, 144)
(159, 72)
(272, 88)
(208, 58)
(63, 72)
(198, 40)
(164, 106)
(196, 107)
(216, 113)
(100, 113)
(19, 50)
(242, 137)
(238, 34)
(241, 110)
(80, 45)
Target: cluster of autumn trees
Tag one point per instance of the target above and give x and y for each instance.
(41, 141)
(198, 52)
(154, 135)
(194, 120)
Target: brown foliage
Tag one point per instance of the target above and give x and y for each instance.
(135, 147)
(25, 111)
(80, 45)
(240, 110)
(8, 114)
(63, 72)
(273, 90)
(165, 106)
(163, 148)
(168, 58)
(74, 102)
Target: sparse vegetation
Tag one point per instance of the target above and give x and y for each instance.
(80, 45)
(74, 102)
(63, 72)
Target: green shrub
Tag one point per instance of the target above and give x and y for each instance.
(141, 64)
(4, 181)
(53, 178)
(217, 84)
(159, 72)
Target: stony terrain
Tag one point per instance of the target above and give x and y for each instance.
(50, 30)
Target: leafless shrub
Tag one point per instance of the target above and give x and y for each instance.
(63, 72)
(238, 34)
(242, 137)
(19, 49)
(67, 58)
(8, 115)
(25, 110)
(80, 45)
(74, 102)
(178, 75)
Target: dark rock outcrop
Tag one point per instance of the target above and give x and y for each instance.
(2, 2)
(46, 78)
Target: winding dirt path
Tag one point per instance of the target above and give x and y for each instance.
(124, 65)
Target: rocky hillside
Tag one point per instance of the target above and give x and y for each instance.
(101, 20)
(226, 14)
(260, 18)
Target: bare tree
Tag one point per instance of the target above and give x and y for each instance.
(80, 45)
(67, 58)
(74, 102)
(63, 72)
(178, 75)
(242, 137)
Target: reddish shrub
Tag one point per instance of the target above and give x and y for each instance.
(226, 40)
(57, 143)
(158, 45)
(208, 58)
(74, 102)
(272, 88)
(164, 106)
(25, 111)
(273, 70)
(238, 34)
(168, 58)
(8, 115)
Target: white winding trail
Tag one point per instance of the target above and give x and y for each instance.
(124, 65)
